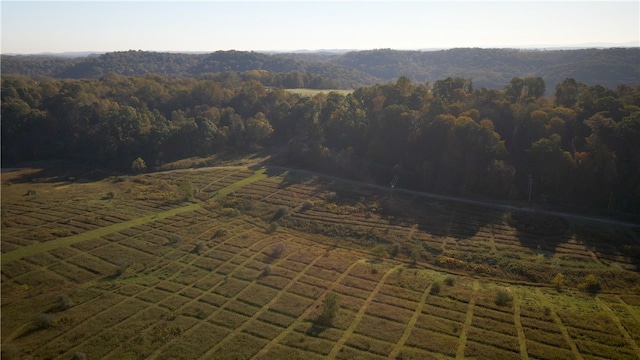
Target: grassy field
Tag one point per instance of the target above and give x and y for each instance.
(314, 92)
(234, 263)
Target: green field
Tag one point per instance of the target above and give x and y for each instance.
(314, 92)
(234, 263)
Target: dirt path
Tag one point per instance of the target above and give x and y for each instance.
(467, 322)
(360, 314)
(492, 240)
(412, 322)
(222, 307)
(621, 328)
(305, 315)
(91, 234)
(522, 341)
(564, 331)
(146, 289)
(265, 308)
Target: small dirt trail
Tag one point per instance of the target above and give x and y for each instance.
(492, 239)
(265, 308)
(621, 328)
(133, 296)
(305, 315)
(467, 322)
(522, 341)
(360, 314)
(222, 307)
(563, 330)
(629, 309)
(412, 322)
(91, 234)
(444, 241)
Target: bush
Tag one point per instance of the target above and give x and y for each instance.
(219, 233)
(79, 356)
(415, 256)
(449, 280)
(277, 251)
(281, 212)
(307, 204)
(395, 248)
(558, 281)
(273, 227)
(43, 321)
(330, 308)
(198, 248)
(138, 165)
(590, 284)
(379, 252)
(64, 302)
(435, 288)
(266, 271)
(503, 297)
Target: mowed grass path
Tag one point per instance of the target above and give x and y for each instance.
(91, 234)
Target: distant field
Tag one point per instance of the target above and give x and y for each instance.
(233, 263)
(313, 92)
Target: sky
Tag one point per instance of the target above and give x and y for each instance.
(30, 27)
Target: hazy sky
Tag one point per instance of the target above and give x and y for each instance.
(53, 26)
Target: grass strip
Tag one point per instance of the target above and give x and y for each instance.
(39, 248)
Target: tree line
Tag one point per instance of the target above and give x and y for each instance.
(490, 68)
(578, 146)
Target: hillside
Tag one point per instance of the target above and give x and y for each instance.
(490, 68)
(244, 268)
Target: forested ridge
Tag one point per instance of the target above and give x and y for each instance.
(579, 145)
(490, 68)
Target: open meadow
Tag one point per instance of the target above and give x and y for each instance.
(237, 263)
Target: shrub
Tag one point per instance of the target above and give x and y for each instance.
(174, 239)
(121, 270)
(187, 190)
(590, 284)
(138, 165)
(198, 248)
(435, 288)
(395, 248)
(415, 256)
(307, 204)
(277, 251)
(219, 233)
(281, 212)
(449, 280)
(64, 302)
(379, 252)
(79, 356)
(503, 297)
(43, 321)
(273, 227)
(558, 281)
(266, 271)
(330, 308)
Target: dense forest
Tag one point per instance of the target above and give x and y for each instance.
(490, 68)
(579, 145)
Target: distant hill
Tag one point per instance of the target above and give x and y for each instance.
(491, 68)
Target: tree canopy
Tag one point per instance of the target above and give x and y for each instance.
(580, 145)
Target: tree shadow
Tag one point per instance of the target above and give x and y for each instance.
(60, 174)
(539, 232)
(316, 329)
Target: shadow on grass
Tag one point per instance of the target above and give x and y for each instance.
(316, 329)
